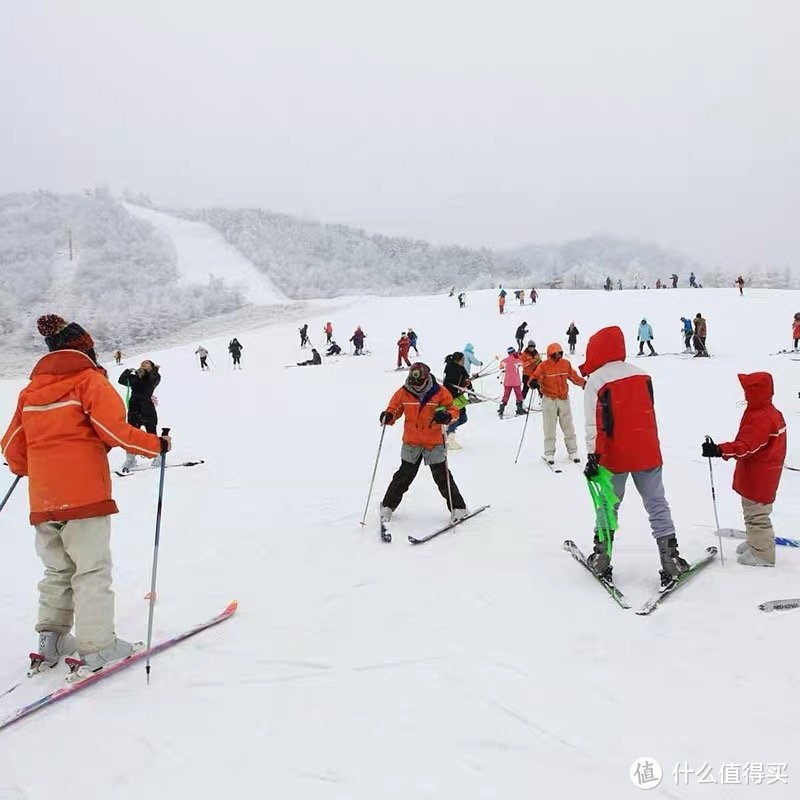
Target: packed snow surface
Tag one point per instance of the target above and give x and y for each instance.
(203, 254)
(484, 664)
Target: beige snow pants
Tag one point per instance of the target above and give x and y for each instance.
(760, 535)
(555, 409)
(77, 581)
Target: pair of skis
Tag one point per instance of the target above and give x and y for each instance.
(653, 602)
(386, 534)
(71, 688)
(553, 467)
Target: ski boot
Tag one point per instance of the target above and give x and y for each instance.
(457, 514)
(501, 410)
(386, 514)
(52, 646)
(599, 560)
(520, 410)
(84, 666)
(751, 559)
(672, 565)
(156, 462)
(130, 462)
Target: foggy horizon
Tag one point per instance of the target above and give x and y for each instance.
(456, 123)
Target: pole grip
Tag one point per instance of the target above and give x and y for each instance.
(165, 431)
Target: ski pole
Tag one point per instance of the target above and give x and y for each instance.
(151, 612)
(524, 426)
(447, 470)
(9, 492)
(714, 502)
(374, 473)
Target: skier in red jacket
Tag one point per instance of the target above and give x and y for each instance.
(403, 346)
(760, 450)
(622, 435)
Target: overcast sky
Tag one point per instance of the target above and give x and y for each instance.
(496, 123)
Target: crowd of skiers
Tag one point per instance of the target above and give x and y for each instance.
(621, 437)
(69, 416)
(519, 295)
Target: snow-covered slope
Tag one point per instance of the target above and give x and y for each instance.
(485, 664)
(203, 254)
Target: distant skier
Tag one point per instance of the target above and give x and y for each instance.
(426, 406)
(358, 341)
(522, 332)
(622, 436)
(235, 349)
(511, 381)
(552, 375)
(470, 359)
(501, 299)
(740, 283)
(608, 285)
(534, 296)
(699, 339)
(314, 361)
(403, 346)
(303, 335)
(692, 281)
(328, 332)
(796, 331)
(658, 283)
(203, 354)
(530, 361)
(462, 300)
(572, 337)
(333, 350)
(66, 420)
(412, 341)
(619, 284)
(142, 413)
(688, 333)
(674, 281)
(759, 450)
(521, 297)
(456, 381)
(118, 356)
(645, 337)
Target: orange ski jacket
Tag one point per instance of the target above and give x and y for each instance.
(420, 430)
(67, 419)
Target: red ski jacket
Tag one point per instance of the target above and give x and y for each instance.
(620, 416)
(760, 444)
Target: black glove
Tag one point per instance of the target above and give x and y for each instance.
(386, 418)
(592, 467)
(711, 449)
(442, 417)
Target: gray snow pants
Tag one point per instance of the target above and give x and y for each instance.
(760, 535)
(77, 581)
(650, 485)
(558, 410)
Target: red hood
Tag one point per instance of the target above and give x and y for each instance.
(608, 344)
(758, 388)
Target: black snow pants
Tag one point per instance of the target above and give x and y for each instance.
(143, 415)
(404, 477)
